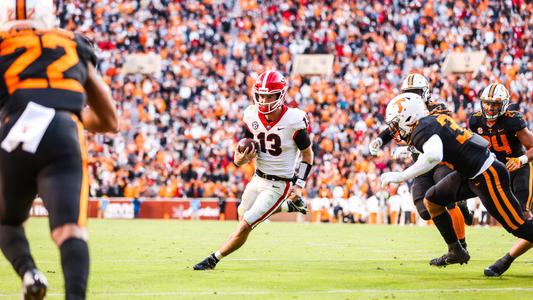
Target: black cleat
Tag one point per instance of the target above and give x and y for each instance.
(499, 267)
(209, 263)
(34, 285)
(467, 214)
(298, 205)
(456, 255)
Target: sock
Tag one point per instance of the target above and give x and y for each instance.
(75, 263)
(458, 222)
(16, 248)
(285, 206)
(218, 256)
(509, 257)
(445, 226)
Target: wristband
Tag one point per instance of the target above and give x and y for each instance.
(523, 159)
(303, 172)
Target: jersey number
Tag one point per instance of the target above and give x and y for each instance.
(496, 145)
(33, 46)
(461, 134)
(274, 146)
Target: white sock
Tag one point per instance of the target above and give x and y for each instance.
(285, 206)
(218, 255)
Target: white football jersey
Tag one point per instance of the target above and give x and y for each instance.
(277, 153)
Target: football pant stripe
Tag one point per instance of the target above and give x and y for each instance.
(518, 220)
(497, 203)
(20, 10)
(529, 202)
(271, 210)
(84, 190)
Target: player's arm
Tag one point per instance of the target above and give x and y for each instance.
(432, 154)
(383, 138)
(303, 142)
(100, 115)
(525, 136)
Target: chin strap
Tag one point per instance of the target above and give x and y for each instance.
(303, 172)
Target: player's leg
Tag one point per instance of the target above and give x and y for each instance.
(458, 220)
(63, 184)
(451, 187)
(17, 171)
(239, 236)
(421, 185)
(521, 183)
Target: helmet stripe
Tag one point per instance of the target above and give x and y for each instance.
(410, 80)
(265, 79)
(21, 9)
(491, 90)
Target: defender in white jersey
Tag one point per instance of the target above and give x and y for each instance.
(282, 135)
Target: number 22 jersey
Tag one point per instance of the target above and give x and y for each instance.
(46, 67)
(278, 151)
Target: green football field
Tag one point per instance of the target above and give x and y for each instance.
(146, 259)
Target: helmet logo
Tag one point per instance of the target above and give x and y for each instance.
(399, 104)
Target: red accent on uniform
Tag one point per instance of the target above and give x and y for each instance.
(278, 202)
(266, 123)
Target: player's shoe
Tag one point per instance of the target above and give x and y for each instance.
(499, 267)
(34, 285)
(456, 255)
(209, 263)
(467, 214)
(298, 205)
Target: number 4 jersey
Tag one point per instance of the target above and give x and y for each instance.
(502, 134)
(45, 67)
(279, 141)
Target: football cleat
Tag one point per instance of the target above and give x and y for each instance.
(34, 285)
(499, 267)
(298, 205)
(456, 255)
(209, 263)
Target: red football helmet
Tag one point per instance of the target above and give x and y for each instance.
(269, 83)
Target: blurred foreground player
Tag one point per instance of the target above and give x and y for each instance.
(47, 76)
(507, 134)
(282, 134)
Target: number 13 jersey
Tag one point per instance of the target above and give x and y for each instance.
(278, 147)
(46, 67)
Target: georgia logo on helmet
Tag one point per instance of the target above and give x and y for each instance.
(403, 111)
(269, 83)
(39, 14)
(418, 84)
(494, 96)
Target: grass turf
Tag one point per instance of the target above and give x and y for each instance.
(152, 259)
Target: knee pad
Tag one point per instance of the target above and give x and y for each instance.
(422, 210)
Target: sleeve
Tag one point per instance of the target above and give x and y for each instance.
(302, 128)
(423, 132)
(386, 136)
(85, 49)
(246, 132)
(515, 121)
(472, 124)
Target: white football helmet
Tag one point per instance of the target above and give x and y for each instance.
(39, 14)
(494, 101)
(403, 111)
(418, 84)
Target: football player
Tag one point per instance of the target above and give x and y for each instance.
(507, 134)
(476, 171)
(282, 134)
(417, 84)
(47, 76)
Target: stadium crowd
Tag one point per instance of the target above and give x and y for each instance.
(178, 129)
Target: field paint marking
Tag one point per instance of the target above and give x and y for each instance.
(244, 293)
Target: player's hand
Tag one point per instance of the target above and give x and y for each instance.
(391, 177)
(528, 215)
(295, 192)
(401, 152)
(513, 164)
(374, 146)
(245, 157)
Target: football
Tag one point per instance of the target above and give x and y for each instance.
(245, 144)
